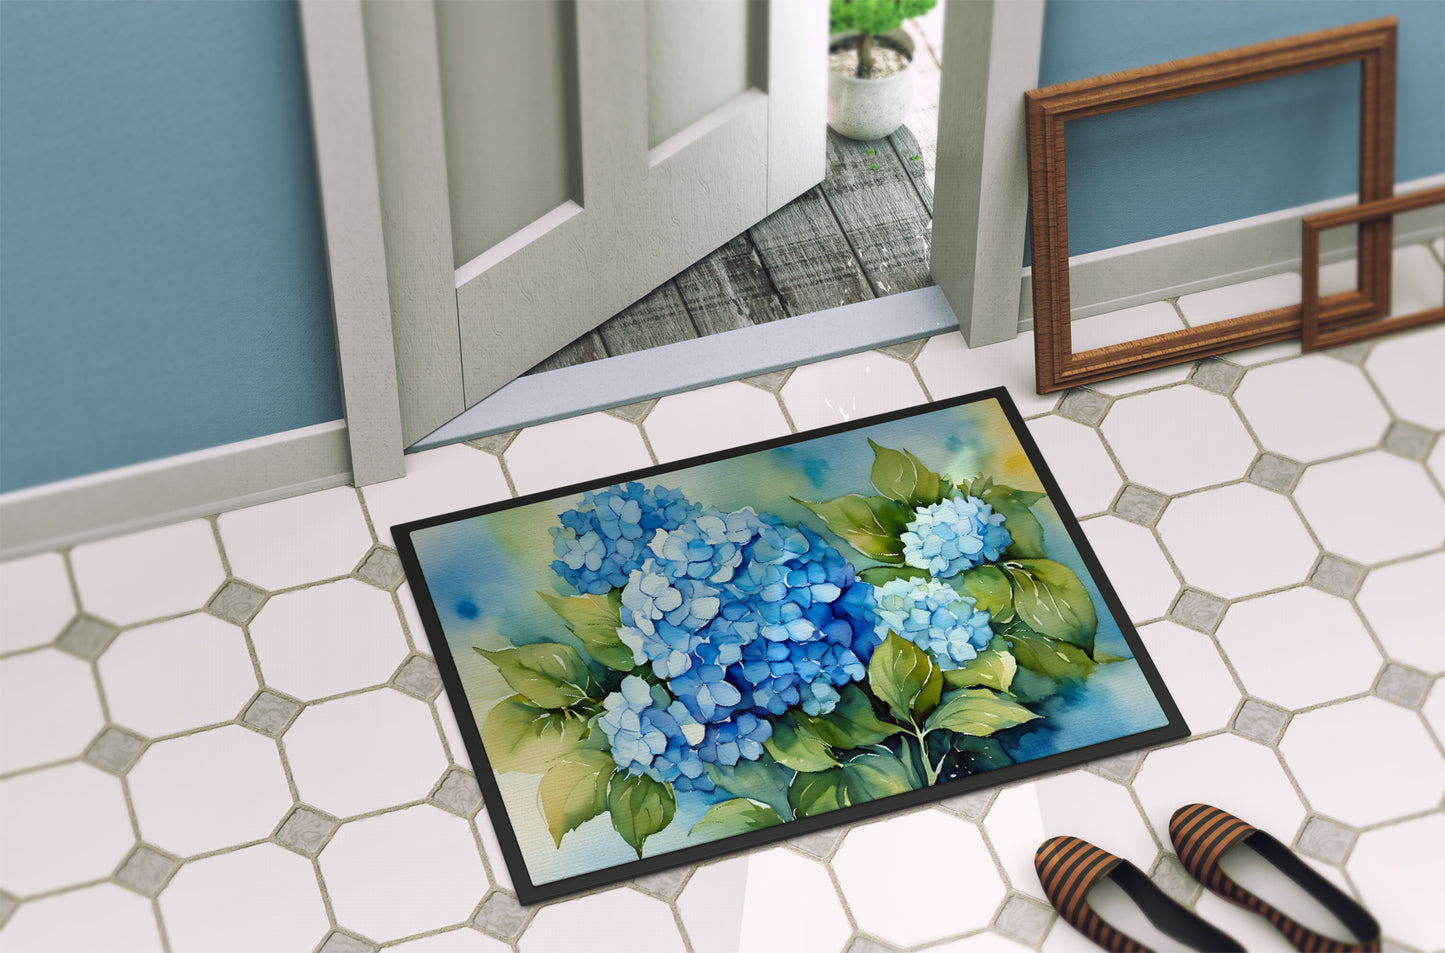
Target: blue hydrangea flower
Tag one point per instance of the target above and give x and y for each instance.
(707, 547)
(605, 538)
(935, 617)
(954, 535)
(738, 740)
(661, 616)
(654, 735)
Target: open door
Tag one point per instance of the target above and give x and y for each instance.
(541, 164)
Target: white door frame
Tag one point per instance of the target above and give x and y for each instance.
(990, 46)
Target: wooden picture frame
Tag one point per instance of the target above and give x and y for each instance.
(1315, 334)
(1047, 112)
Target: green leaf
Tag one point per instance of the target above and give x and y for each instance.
(901, 476)
(1018, 519)
(990, 590)
(1059, 661)
(862, 778)
(991, 669)
(872, 525)
(794, 744)
(737, 816)
(640, 807)
(978, 755)
(851, 723)
(1052, 600)
(978, 712)
(594, 620)
(548, 673)
(520, 736)
(574, 791)
(882, 575)
(905, 678)
(763, 780)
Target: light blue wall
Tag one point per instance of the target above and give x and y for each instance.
(163, 280)
(1218, 157)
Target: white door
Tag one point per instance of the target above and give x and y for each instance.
(544, 163)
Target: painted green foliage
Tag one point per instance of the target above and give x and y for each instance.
(619, 730)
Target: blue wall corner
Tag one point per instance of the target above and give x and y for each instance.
(163, 282)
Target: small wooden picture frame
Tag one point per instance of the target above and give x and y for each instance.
(1048, 110)
(1315, 333)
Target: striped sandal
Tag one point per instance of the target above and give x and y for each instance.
(1069, 868)
(1202, 835)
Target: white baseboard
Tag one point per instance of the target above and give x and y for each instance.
(150, 494)
(1212, 257)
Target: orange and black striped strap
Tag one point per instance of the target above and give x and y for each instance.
(1068, 869)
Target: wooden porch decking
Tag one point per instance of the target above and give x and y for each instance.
(864, 232)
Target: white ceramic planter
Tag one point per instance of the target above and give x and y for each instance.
(871, 108)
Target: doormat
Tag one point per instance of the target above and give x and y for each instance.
(704, 657)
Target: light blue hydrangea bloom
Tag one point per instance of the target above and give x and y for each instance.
(738, 740)
(935, 617)
(652, 734)
(954, 535)
(661, 616)
(605, 538)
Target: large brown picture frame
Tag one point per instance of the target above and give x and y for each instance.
(1315, 336)
(1048, 110)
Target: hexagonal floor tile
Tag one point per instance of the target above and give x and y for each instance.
(365, 752)
(1079, 803)
(751, 903)
(1208, 771)
(49, 709)
(403, 873)
(1312, 408)
(1413, 523)
(1436, 461)
(102, 917)
(713, 418)
(437, 481)
(900, 877)
(170, 676)
(260, 898)
(1194, 673)
(1390, 599)
(1158, 450)
(590, 447)
(1079, 462)
(147, 575)
(298, 540)
(1401, 879)
(1130, 324)
(61, 826)
(950, 368)
(1434, 709)
(35, 601)
(849, 388)
(1287, 647)
(617, 921)
(1406, 368)
(1390, 765)
(463, 940)
(1235, 300)
(1135, 565)
(214, 789)
(329, 639)
(1218, 540)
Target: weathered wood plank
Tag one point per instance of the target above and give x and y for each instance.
(911, 156)
(586, 348)
(880, 212)
(808, 258)
(729, 289)
(657, 319)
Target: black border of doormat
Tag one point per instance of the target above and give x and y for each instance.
(529, 893)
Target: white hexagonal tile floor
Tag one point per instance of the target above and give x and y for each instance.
(573, 450)
(1419, 526)
(102, 917)
(750, 905)
(259, 898)
(1406, 368)
(159, 572)
(1140, 573)
(1390, 600)
(47, 688)
(1158, 453)
(1237, 540)
(712, 418)
(61, 826)
(1197, 676)
(1312, 408)
(849, 388)
(1080, 463)
(35, 601)
(303, 539)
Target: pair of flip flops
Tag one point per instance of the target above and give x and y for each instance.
(1069, 868)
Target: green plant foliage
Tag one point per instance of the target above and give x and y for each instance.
(737, 816)
(905, 679)
(547, 673)
(872, 525)
(762, 780)
(1058, 661)
(574, 790)
(882, 575)
(852, 723)
(992, 669)
(795, 744)
(594, 620)
(901, 476)
(991, 591)
(524, 737)
(977, 712)
(640, 807)
(873, 16)
(977, 755)
(864, 777)
(1051, 599)
(1023, 526)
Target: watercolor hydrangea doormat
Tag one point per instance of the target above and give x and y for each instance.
(700, 658)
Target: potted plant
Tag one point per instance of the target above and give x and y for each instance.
(870, 82)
